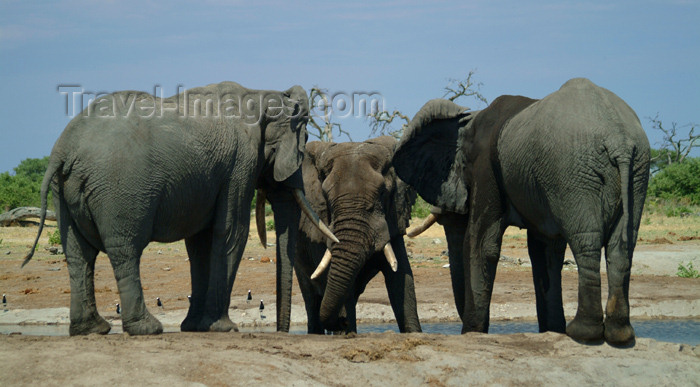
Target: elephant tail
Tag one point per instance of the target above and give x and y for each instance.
(625, 167)
(48, 176)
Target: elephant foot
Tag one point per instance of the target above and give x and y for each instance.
(619, 332)
(585, 330)
(148, 325)
(190, 324)
(473, 327)
(223, 324)
(96, 324)
(193, 322)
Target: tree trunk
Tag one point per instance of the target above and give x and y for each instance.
(18, 216)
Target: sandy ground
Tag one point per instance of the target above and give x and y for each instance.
(39, 294)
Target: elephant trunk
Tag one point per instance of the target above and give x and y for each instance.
(349, 256)
(287, 214)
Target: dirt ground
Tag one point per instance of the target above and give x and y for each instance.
(39, 294)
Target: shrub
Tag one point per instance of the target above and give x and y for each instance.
(55, 238)
(680, 182)
(22, 189)
(420, 209)
(687, 271)
(270, 225)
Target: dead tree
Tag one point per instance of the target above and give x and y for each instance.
(19, 216)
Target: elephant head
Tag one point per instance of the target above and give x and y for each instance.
(367, 207)
(283, 117)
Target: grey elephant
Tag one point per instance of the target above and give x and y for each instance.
(133, 168)
(571, 168)
(354, 187)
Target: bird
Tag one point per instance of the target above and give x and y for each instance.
(119, 310)
(189, 298)
(4, 299)
(250, 297)
(160, 304)
(262, 307)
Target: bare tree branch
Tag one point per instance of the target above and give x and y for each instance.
(318, 98)
(456, 89)
(381, 123)
(674, 149)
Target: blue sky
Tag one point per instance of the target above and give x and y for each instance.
(647, 52)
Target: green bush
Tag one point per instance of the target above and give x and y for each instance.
(270, 225)
(687, 271)
(680, 182)
(23, 188)
(55, 238)
(421, 208)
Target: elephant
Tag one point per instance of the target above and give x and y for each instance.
(571, 168)
(354, 188)
(133, 168)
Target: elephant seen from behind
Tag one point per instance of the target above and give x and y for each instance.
(133, 168)
(572, 168)
(354, 188)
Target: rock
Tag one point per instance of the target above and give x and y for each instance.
(54, 250)
(436, 241)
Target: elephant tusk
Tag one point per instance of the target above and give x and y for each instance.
(306, 208)
(390, 256)
(260, 217)
(429, 221)
(325, 261)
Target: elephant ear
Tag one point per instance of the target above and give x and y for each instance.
(313, 190)
(404, 196)
(290, 146)
(431, 157)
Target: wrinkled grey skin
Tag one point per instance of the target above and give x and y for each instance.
(121, 180)
(354, 187)
(571, 168)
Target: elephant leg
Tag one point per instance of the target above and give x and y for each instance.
(351, 315)
(401, 289)
(312, 303)
(136, 319)
(588, 323)
(199, 250)
(547, 257)
(483, 246)
(229, 237)
(81, 256)
(618, 256)
(455, 244)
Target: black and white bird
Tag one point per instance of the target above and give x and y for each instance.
(4, 299)
(160, 304)
(189, 298)
(249, 298)
(119, 309)
(262, 307)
